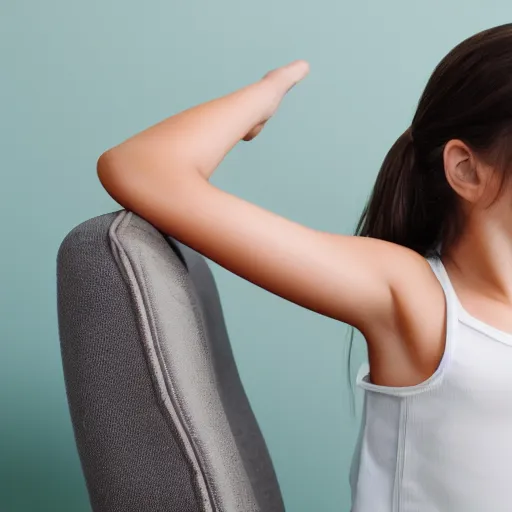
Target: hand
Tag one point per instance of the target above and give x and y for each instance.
(279, 81)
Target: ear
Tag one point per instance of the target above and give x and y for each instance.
(463, 172)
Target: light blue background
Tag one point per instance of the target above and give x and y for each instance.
(78, 77)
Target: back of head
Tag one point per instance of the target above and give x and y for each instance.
(467, 98)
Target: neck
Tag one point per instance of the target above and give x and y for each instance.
(482, 259)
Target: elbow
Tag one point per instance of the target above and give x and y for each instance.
(105, 168)
(141, 188)
(126, 182)
(113, 177)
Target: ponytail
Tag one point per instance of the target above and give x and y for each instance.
(405, 208)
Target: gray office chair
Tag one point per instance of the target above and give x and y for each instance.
(161, 420)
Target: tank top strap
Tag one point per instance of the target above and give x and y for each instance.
(453, 306)
(439, 270)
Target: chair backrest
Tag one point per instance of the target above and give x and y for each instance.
(161, 419)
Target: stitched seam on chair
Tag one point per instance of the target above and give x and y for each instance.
(170, 387)
(147, 232)
(142, 314)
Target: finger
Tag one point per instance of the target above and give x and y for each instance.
(288, 76)
(298, 70)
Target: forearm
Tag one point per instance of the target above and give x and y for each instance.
(162, 173)
(197, 139)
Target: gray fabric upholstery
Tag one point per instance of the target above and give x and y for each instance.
(161, 420)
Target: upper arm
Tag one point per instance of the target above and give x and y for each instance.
(343, 277)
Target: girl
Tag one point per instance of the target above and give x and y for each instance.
(428, 282)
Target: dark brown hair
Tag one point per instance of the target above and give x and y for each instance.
(468, 98)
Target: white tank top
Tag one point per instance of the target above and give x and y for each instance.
(444, 445)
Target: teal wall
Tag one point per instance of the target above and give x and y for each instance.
(78, 77)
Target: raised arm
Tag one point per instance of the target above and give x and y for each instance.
(162, 174)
